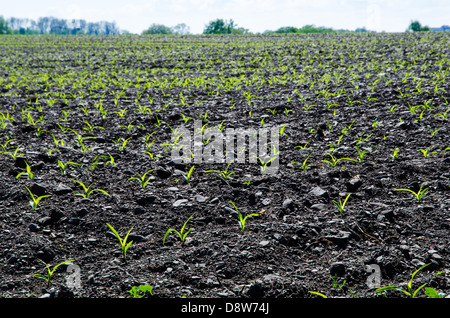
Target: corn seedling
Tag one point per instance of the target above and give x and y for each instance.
(124, 245)
(185, 118)
(409, 290)
(242, 219)
(419, 194)
(123, 146)
(360, 154)
(335, 161)
(35, 201)
(87, 192)
(14, 154)
(91, 128)
(426, 152)
(395, 154)
(188, 175)
(303, 165)
(58, 142)
(64, 166)
(304, 146)
(317, 293)
(341, 205)
(181, 234)
(141, 179)
(50, 272)
(225, 174)
(111, 160)
(140, 291)
(432, 293)
(336, 283)
(264, 163)
(29, 173)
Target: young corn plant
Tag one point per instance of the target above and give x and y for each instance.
(140, 291)
(409, 291)
(335, 161)
(50, 272)
(14, 154)
(225, 174)
(64, 166)
(341, 205)
(361, 154)
(419, 194)
(395, 154)
(243, 219)
(188, 175)
(87, 191)
(124, 245)
(35, 200)
(142, 179)
(28, 173)
(303, 165)
(181, 234)
(426, 152)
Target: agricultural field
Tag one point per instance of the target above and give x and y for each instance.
(358, 198)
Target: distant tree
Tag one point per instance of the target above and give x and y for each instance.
(4, 26)
(181, 29)
(158, 29)
(220, 26)
(415, 26)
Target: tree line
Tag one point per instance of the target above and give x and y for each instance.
(52, 25)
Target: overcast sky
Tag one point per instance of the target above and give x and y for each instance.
(255, 15)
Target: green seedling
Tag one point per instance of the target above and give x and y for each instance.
(335, 161)
(111, 160)
(87, 193)
(426, 152)
(124, 245)
(35, 201)
(29, 173)
(443, 115)
(409, 290)
(185, 118)
(58, 142)
(272, 111)
(64, 166)
(242, 219)
(140, 291)
(360, 154)
(264, 163)
(336, 283)
(432, 293)
(341, 205)
(225, 174)
(188, 175)
(50, 272)
(317, 293)
(14, 154)
(304, 146)
(123, 146)
(141, 179)
(303, 165)
(91, 128)
(81, 139)
(182, 235)
(419, 194)
(395, 154)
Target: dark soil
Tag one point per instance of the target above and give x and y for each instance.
(301, 240)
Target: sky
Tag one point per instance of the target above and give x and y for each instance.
(256, 15)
